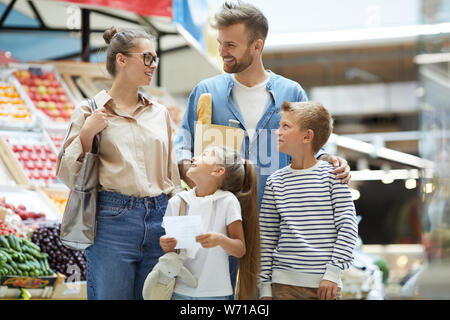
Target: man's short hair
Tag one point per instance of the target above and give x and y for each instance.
(311, 115)
(242, 12)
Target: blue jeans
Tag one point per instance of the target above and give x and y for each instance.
(126, 246)
(177, 296)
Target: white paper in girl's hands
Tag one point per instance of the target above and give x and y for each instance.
(184, 229)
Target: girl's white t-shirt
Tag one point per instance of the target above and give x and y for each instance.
(210, 266)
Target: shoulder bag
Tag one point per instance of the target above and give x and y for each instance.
(78, 224)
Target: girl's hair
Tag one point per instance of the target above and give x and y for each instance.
(240, 179)
(122, 41)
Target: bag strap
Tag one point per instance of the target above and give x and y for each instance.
(181, 213)
(96, 141)
(93, 106)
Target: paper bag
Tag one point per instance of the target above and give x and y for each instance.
(214, 134)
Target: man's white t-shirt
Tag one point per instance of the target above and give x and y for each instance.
(210, 266)
(252, 102)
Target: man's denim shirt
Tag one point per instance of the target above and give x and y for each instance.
(262, 150)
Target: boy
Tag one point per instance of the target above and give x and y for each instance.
(307, 218)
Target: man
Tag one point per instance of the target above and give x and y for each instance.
(247, 93)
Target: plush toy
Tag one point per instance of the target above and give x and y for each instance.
(160, 283)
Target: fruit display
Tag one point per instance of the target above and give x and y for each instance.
(57, 140)
(30, 204)
(6, 229)
(47, 92)
(56, 136)
(58, 196)
(21, 210)
(61, 259)
(14, 112)
(21, 257)
(6, 178)
(35, 155)
(10, 222)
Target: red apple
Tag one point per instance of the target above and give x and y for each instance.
(51, 76)
(60, 90)
(30, 165)
(17, 148)
(55, 98)
(32, 95)
(24, 156)
(63, 113)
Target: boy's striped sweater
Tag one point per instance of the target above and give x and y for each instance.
(308, 228)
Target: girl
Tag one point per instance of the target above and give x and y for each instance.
(137, 168)
(226, 198)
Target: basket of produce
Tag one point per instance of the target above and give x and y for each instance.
(70, 263)
(35, 154)
(16, 110)
(47, 90)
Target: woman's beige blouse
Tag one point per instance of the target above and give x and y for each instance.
(136, 154)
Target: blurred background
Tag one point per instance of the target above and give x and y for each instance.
(382, 68)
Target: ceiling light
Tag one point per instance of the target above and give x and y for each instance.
(428, 187)
(410, 183)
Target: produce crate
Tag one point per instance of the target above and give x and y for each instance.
(17, 111)
(86, 79)
(36, 287)
(28, 282)
(80, 77)
(58, 196)
(47, 91)
(11, 172)
(15, 293)
(33, 153)
(33, 199)
(69, 290)
(6, 176)
(56, 136)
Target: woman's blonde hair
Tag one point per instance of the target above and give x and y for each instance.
(240, 179)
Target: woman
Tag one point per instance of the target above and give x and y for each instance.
(137, 169)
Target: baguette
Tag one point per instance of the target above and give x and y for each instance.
(204, 109)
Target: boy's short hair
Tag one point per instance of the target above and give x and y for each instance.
(312, 115)
(242, 12)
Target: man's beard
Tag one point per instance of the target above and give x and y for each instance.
(239, 66)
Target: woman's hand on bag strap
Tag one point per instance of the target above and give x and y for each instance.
(95, 123)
